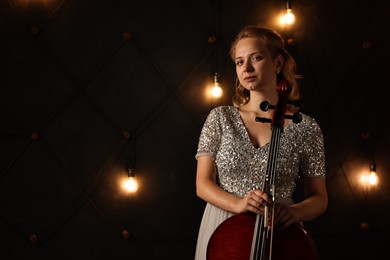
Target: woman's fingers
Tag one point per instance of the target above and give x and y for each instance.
(256, 200)
(283, 216)
(262, 196)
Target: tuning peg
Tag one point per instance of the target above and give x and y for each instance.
(296, 103)
(263, 119)
(265, 106)
(296, 117)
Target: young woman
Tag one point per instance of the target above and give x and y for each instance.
(233, 148)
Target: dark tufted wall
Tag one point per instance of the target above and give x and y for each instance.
(89, 88)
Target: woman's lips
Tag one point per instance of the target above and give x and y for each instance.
(250, 78)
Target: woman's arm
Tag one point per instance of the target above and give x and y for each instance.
(315, 204)
(208, 190)
(316, 201)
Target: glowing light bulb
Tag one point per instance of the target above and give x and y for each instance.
(131, 184)
(372, 178)
(288, 18)
(216, 91)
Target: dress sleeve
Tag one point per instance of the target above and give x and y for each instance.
(210, 136)
(313, 156)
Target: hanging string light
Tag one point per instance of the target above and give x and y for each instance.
(288, 17)
(131, 184)
(370, 178)
(216, 91)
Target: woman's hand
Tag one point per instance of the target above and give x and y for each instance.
(254, 201)
(283, 216)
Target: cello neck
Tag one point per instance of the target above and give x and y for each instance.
(263, 232)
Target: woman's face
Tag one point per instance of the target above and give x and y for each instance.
(255, 67)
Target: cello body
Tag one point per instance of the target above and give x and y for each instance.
(233, 238)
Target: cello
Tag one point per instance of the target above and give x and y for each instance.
(251, 236)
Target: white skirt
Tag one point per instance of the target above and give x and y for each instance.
(212, 218)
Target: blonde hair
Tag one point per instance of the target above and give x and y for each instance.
(275, 44)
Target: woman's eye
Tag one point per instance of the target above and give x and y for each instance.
(239, 62)
(255, 58)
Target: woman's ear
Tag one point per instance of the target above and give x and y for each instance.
(279, 63)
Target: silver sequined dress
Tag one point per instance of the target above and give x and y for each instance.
(241, 166)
